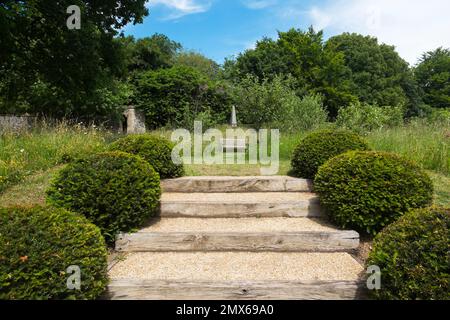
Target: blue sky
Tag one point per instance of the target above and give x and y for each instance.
(222, 28)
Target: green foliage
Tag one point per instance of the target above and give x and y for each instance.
(421, 141)
(378, 75)
(433, 76)
(369, 190)
(318, 147)
(116, 191)
(46, 146)
(38, 244)
(50, 69)
(262, 103)
(165, 94)
(304, 114)
(363, 118)
(274, 103)
(315, 68)
(199, 62)
(440, 116)
(413, 256)
(156, 150)
(150, 53)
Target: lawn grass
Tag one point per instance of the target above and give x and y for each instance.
(426, 144)
(31, 191)
(28, 152)
(33, 156)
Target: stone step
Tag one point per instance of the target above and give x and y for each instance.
(235, 276)
(240, 205)
(236, 184)
(244, 234)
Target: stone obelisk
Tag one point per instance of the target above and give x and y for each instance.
(233, 118)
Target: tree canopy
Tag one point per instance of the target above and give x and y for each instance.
(45, 67)
(433, 76)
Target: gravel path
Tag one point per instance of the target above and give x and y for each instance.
(237, 266)
(237, 225)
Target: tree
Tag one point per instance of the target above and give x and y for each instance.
(378, 75)
(303, 55)
(199, 62)
(175, 96)
(150, 53)
(44, 67)
(433, 75)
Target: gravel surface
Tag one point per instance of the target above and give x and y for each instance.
(237, 266)
(237, 225)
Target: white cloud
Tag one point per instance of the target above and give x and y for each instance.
(259, 4)
(182, 8)
(413, 26)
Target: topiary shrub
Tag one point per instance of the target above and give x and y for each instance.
(369, 190)
(154, 149)
(115, 190)
(413, 255)
(319, 147)
(37, 245)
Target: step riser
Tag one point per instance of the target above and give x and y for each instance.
(179, 290)
(305, 208)
(193, 185)
(253, 242)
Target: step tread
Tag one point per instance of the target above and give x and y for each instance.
(234, 178)
(306, 241)
(136, 289)
(245, 184)
(237, 266)
(255, 197)
(237, 225)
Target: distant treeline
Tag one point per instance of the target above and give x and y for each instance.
(95, 71)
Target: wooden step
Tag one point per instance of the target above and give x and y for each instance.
(130, 289)
(236, 184)
(240, 205)
(326, 241)
(235, 275)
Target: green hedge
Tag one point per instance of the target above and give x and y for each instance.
(318, 147)
(154, 149)
(413, 255)
(38, 244)
(369, 190)
(116, 191)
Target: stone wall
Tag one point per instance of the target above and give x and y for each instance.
(16, 123)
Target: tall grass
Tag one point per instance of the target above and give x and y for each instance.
(27, 152)
(426, 144)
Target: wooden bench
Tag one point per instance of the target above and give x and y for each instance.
(233, 145)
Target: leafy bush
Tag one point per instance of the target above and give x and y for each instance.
(369, 190)
(304, 114)
(261, 103)
(318, 147)
(115, 190)
(37, 245)
(413, 256)
(154, 149)
(440, 116)
(164, 94)
(275, 103)
(363, 118)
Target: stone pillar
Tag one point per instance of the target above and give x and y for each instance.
(135, 121)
